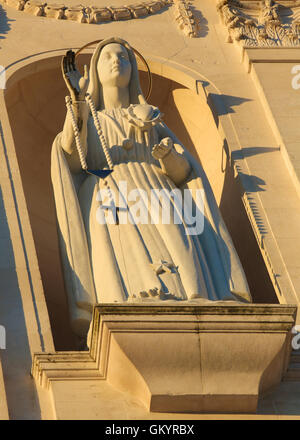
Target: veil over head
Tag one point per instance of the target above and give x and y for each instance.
(95, 88)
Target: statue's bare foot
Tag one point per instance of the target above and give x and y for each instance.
(155, 294)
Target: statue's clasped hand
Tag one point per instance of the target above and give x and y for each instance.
(161, 150)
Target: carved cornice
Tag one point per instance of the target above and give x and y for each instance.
(152, 353)
(87, 14)
(212, 316)
(185, 18)
(261, 23)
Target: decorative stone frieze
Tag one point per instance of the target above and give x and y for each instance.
(185, 18)
(261, 24)
(87, 14)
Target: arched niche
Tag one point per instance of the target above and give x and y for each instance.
(35, 104)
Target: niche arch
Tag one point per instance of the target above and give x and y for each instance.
(34, 100)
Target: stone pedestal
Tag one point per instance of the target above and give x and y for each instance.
(181, 359)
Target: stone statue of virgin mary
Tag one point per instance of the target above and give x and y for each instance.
(109, 125)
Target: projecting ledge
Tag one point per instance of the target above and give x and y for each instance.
(182, 358)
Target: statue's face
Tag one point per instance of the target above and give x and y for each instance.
(114, 67)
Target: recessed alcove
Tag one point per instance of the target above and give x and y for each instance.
(36, 108)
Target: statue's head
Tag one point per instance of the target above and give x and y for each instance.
(114, 64)
(114, 67)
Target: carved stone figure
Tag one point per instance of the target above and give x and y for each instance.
(269, 12)
(107, 262)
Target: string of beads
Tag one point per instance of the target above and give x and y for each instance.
(98, 128)
(101, 139)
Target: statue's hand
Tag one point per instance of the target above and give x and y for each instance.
(76, 83)
(159, 151)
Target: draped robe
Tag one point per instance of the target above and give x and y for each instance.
(120, 262)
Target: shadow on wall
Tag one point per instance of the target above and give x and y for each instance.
(16, 358)
(223, 104)
(252, 183)
(36, 111)
(232, 207)
(239, 227)
(4, 23)
(252, 151)
(202, 22)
